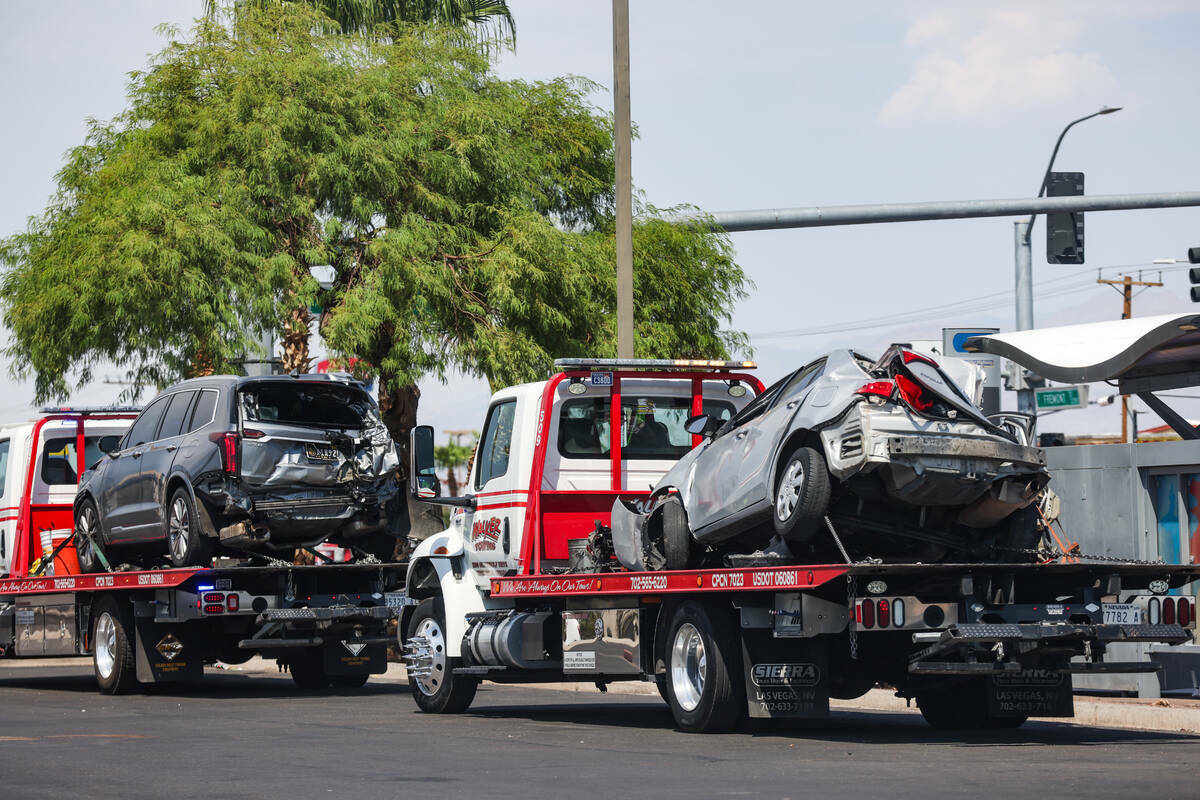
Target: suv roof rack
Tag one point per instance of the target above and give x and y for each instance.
(680, 364)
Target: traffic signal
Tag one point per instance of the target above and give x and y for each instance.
(1064, 229)
(1194, 273)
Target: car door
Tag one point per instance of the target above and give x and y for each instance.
(755, 468)
(119, 495)
(711, 498)
(156, 464)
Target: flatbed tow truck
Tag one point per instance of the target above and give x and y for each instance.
(521, 587)
(329, 624)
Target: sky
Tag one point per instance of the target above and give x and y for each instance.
(795, 104)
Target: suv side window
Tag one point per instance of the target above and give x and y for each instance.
(176, 414)
(496, 445)
(145, 426)
(206, 404)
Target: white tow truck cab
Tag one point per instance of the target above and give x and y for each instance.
(40, 464)
(497, 595)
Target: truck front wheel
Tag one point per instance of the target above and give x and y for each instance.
(112, 651)
(704, 669)
(431, 677)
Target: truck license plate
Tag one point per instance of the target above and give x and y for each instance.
(320, 452)
(1122, 614)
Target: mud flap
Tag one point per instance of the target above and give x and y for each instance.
(166, 653)
(785, 678)
(1032, 693)
(348, 657)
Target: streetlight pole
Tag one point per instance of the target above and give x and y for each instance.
(1023, 262)
(622, 129)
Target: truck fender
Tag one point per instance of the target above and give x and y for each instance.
(447, 543)
(460, 594)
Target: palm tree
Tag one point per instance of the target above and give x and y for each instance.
(492, 18)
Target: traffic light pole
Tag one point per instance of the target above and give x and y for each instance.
(1127, 283)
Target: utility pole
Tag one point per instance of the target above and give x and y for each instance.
(622, 134)
(1127, 283)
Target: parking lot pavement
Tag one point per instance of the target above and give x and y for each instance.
(241, 735)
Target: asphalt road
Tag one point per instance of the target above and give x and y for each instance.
(238, 736)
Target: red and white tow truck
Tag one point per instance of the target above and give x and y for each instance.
(497, 595)
(327, 623)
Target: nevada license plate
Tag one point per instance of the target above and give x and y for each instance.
(1122, 614)
(319, 452)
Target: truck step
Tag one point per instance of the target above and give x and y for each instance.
(326, 614)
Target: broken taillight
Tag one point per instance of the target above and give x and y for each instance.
(882, 389)
(910, 357)
(913, 394)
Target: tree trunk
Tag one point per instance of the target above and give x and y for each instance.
(295, 341)
(398, 405)
(451, 482)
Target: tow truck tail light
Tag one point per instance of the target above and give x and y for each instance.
(1185, 611)
(214, 608)
(1154, 611)
(898, 613)
(868, 613)
(214, 597)
(912, 394)
(233, 602)
(1168, 612)
(884, 389)
(885, 613)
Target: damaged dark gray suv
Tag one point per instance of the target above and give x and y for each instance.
(256, 464)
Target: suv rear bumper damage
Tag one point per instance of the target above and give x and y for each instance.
(280, 520)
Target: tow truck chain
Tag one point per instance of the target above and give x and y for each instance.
(1074, 553)
(851, 602)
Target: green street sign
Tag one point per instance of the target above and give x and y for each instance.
(1061, 397)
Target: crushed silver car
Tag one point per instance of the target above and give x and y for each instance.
(887, 458)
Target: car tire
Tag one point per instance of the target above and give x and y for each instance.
(112, 647)
(187, 546)
(308, 670)
(349, 681)
(87, 536)
(704, 668)
(679, 547)
(440, 692)
(963, 707)
(802, 494)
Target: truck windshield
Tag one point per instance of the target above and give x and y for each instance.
(651, 427)
(315, 405)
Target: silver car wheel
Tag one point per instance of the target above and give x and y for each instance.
(85, 532)
(106, 645)
(179, 526)
(789, 490)
(689, 667)
(432, 681)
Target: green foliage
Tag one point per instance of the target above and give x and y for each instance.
(469, 219)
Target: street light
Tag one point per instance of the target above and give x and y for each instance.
(1024, 265)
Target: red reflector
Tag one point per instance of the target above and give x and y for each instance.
(214, 597)
(1168, 611)
(868, 613)
(882, 389)
(214, 609)
(885, 613)
(1185, 612)
(910, 357)
(912, 394)
(250, 433)
(233, 602)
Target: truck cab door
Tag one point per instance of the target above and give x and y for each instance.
(491, 530)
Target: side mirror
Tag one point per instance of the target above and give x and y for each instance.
(109, 444)
(697, 425)
(425, 483)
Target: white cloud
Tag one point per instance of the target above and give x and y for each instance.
(972, 64)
